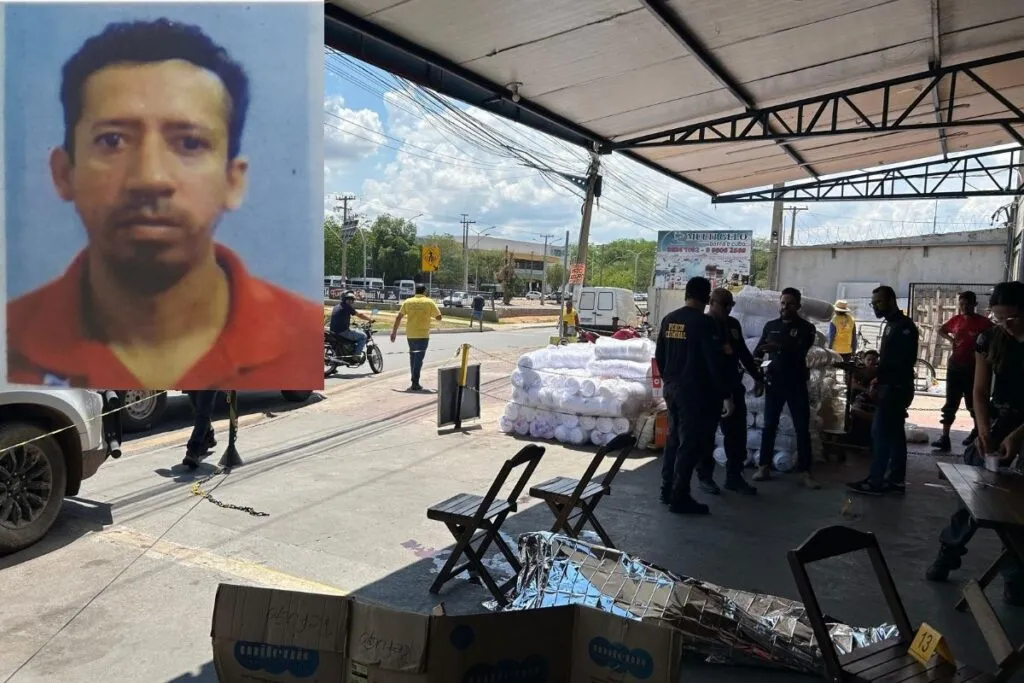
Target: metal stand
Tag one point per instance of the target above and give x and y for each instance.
(462, 386)
(231, 458)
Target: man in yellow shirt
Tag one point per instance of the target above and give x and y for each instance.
(419, 309)
(570, 319)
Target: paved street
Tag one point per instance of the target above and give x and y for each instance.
(123, 587)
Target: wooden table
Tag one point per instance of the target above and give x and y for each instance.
(995, 500)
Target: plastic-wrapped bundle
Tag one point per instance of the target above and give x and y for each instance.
(604, 424)
(525, 378)
(622, 369)
(578, 436)
(638, 350)
(588, 387)
(505, 425)
(569, 421)
(755, 404)
(562, 434)
(754, 324)
(587, 423)
(569, 356)
(620, 425)
(599, 438)
(720, 456)
(521, 427)
(783, 461)
(753, 438)
(572, 386)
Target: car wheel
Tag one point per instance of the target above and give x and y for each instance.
(297, 396)
(33, 478)
(142, 409)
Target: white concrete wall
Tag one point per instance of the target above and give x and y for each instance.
(816, 271)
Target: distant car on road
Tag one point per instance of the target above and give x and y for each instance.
(455, 299)
(534, 295)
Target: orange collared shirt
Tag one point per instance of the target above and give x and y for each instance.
(273, 339)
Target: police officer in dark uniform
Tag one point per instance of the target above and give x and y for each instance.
(894, 386)
(785, 341)
(689, 359)
(737, 358)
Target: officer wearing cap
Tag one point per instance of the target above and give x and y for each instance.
(696, 387)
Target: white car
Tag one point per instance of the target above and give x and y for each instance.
(534, 295)
(50, 441)
(455, 299)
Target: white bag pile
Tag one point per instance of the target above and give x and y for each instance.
(580, 393)
(754, 308)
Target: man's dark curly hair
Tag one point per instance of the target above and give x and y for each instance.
(146, 42)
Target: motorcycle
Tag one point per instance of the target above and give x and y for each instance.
(340, 352)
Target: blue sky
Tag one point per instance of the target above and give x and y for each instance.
(400, 152)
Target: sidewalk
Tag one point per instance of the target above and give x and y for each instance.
(346, 483)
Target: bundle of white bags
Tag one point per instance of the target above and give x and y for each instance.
(580, 393)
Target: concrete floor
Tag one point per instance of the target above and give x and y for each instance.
(125, 581)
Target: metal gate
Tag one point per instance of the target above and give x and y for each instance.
(930, 305)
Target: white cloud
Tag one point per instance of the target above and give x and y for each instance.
(350, 136)
(437, 175)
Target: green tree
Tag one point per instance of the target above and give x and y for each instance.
(332, 247)
(484, 266)
(555, 276)
(506, 275)
(760, 261)
(395, 252)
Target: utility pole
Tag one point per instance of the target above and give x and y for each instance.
(544, 267)
(342, 202)
(775, 242)
(465, 251)
(565, 263)
(593, 181)
(793, 210)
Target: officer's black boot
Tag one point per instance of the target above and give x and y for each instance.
(737, 484)
(948, 559)
(666, 494)
(684, 504)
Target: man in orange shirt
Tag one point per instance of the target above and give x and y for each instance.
(154, 113)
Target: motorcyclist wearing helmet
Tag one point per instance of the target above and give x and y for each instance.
(341, 322)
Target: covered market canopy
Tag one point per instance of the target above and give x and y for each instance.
(729, 96)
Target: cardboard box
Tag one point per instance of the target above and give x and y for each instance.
(276, 636)
(273, 636)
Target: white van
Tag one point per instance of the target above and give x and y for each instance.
(406, 288)
(598, 307)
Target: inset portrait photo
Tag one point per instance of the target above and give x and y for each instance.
(163, 188)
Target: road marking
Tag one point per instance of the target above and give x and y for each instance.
(246, 570)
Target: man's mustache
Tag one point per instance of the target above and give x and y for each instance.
(148, 213)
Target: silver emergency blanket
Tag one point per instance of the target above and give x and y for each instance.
(721, 625)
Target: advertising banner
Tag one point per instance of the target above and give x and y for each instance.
(718, 255)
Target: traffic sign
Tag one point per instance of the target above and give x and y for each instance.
(576, 273)
(430, 258)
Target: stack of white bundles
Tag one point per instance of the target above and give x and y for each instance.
(581, 393)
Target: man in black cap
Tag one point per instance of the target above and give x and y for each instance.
(696, 386)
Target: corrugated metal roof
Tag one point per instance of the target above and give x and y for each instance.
(613, 68)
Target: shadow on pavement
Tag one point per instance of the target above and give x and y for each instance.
(743, 544)
(206, 674)
(179, 411)
(78, 517)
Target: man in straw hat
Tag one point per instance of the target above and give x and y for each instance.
(842, 331)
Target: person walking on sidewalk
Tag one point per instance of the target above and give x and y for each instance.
(786, 341)
(894, 387)
(202, 439)
(999, 414)
(696, 386)
(419, 309)
(734, 427)
(478, 311)
(961, 331)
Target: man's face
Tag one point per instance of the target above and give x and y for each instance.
(788, 306)
(879, 304)
(966, 307)
(151, 176)
(721, 306)
(871, 360)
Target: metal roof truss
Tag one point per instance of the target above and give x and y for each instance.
(941, 179)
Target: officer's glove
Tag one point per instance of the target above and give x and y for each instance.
(728, 407)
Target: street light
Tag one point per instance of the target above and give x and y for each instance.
(476, 248)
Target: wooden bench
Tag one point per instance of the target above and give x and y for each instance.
(889, 660)
(475, 522)
(564, 495)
